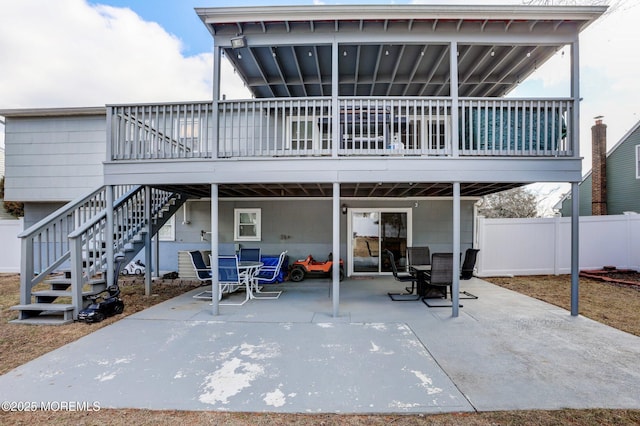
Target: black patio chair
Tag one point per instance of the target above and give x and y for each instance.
(466, 272)
(418, 256)
(404, 278)
(469, 263)
(441, 276)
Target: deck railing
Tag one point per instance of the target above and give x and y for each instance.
(361, 126)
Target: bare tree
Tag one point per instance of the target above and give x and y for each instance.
(614, 5)
(514, 203)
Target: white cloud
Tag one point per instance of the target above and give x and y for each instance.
(68, 53)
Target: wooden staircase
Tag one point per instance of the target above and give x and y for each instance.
(57, 286)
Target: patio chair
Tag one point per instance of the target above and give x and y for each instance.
(404, 278)
(229, 277)
(466, 272)
(469, 263)
(441, 276)
(249, 255)
(268, 274)
(203, 272)
(418, 256)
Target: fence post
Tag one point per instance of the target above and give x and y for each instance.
(556, 245)
(481, 237)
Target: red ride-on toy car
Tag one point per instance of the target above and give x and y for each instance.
(310, 267)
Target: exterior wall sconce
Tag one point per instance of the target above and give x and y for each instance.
(344, 209)
(238, 42)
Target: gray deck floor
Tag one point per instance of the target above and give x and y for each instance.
(504, 351)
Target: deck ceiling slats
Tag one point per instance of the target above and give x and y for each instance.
(348, 190)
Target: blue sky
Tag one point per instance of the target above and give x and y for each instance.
(94, 52)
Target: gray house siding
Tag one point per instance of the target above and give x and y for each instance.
(623, 188)
(304, 227)
(54, 158)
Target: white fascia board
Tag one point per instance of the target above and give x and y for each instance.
(390, 12)
(53, 112)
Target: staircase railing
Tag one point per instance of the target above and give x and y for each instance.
(89, 244)
(45, 246)
(77, 233)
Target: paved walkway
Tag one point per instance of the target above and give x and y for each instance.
(504, 351)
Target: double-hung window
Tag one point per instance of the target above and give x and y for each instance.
(247, 224)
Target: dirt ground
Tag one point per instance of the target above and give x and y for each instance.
(612, 304)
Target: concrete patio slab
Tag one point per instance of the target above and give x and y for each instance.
(504, 351)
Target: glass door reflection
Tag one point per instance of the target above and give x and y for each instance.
(372, 232)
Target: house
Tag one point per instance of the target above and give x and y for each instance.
(612, 186)
(367, 129)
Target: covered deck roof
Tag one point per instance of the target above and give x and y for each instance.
(391, 50)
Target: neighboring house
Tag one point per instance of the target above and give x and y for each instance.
(368, 129)
(618, 184)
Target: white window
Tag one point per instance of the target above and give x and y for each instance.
(247, 224)
(637, 161)
(168, 230)
(301, 134)
(304, 134)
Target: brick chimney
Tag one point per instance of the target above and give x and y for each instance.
(599, 168)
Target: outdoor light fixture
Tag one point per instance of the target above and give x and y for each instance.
(239, 42)
(344, 209)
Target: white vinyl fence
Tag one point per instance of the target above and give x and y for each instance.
(507, 246)
(543, 246)
(10, 245)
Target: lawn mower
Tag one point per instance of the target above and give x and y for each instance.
(104, 304)
(310, 267)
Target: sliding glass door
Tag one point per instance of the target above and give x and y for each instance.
(372, 232)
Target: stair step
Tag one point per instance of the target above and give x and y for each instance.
(43, 320)
(42, 307)
(33, 311)
(93, 281)
(63, 293)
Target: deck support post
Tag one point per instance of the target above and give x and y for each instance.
(455, 286)
(336, 249)
(575, 246)
(215, 286)
(109, 234)
(147, 240)
(575, 189)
